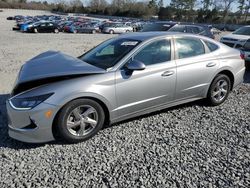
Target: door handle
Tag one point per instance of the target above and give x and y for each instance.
(167, 73)
(211, 64)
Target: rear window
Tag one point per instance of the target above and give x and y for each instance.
(211, 46)
(156, 27)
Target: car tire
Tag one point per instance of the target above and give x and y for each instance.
(94, 31)
(56, 31)
(219, 90)
(75, 31)
(68, 119)
(127, 31)
(111, 31)
(35, 30)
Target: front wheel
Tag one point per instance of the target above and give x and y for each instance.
(80, 120)
(219, 90)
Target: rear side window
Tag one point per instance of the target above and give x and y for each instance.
(189, 47)
(211, 46)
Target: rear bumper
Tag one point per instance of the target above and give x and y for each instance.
(239, 77)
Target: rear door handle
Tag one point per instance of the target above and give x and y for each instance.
(211, 64)
(167, 73)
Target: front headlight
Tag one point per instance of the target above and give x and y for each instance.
(28, 103)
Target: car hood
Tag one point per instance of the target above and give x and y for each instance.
(238, 37)
(54, 64)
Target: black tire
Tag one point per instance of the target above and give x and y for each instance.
(61, 122)
(94, 31)
(35, 30)
(111, 31)
(211, 97)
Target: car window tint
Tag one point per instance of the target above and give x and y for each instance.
(155, 52)
(189, 47)
(212, 47)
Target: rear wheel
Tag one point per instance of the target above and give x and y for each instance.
(75, 31)
(35, 30)
(79, 120)
(94, 31)
(219, 90)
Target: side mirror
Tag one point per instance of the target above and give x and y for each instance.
(136, 65)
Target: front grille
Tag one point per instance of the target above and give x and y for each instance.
(229, 44)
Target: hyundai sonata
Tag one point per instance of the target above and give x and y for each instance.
(59, 96)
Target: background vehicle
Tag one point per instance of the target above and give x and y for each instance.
(77, 96)
(194, 29)
(157, 26)
(43, 27)
(116, 28)
(238, 38)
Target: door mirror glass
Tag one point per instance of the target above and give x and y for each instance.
(136, 65)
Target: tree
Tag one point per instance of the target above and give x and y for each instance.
(160, 3)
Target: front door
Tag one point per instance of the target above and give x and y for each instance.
(151, 87)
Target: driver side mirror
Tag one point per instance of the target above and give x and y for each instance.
(135, 65)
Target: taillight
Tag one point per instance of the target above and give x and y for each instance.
(242, 55)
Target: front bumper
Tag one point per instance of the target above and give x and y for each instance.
(31, 126)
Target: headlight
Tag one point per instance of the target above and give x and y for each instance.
(28, 103)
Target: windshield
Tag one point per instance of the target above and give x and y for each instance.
(242, 31)
(108, 53)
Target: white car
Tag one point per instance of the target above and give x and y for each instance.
(238, 38)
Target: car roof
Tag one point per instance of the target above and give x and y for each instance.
(143, 36)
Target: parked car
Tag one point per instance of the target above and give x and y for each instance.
(87, 28)
(43, 27)
(194, 29)
(246, 52)
(117, 28)
(158, 26)
(58, 95)
(215, 31)
(238, 38)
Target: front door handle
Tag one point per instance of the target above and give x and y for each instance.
(211, 64)
(167, 73)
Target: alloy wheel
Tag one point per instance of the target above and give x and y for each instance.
(82, 120)
(220, 90)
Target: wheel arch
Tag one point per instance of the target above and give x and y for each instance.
(230, 75)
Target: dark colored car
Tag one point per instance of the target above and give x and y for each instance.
(158, 26)
(44, 27)
(194, 29)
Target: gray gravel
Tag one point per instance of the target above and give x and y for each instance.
(187, 146)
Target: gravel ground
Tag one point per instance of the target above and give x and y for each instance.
(190, 145)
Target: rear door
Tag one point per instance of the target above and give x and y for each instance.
(195, 67)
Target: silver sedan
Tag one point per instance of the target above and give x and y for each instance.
(59, 96)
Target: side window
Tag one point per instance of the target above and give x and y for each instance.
(192, 29)
(155, 52)
(189, 47)
(178, 28)
(211, 46)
